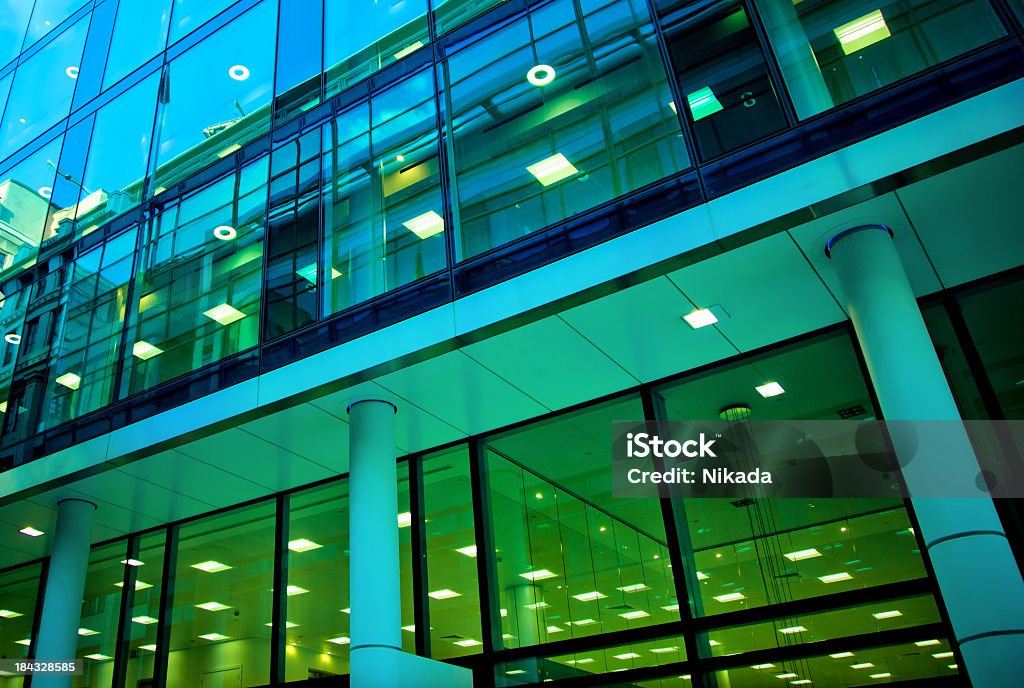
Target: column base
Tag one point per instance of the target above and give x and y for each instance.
(386, 667)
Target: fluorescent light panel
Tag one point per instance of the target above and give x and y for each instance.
(700, 318)
(31, 532)
(303, 545)
(211, 566)
(703, 103)
(731, 597)
(590, 596)
(69, 380)
(835, 577)
(213, 606)
(224, 314)
(802, 554)
(862, 32)
(636, 587)
(144, 350)
(444, 594)
(553, 169)
(426, 225)
(539, 574)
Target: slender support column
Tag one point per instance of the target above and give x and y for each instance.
(374, 584)
(980, 582)
(65, 585)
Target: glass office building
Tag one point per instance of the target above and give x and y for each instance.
(224, 225)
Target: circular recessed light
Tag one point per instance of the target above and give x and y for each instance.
(239, 72)
(225, 233)
(12, 338)
(72, 72)
(541, 75)
(45, 191)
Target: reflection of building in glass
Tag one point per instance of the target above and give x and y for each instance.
(315, 318)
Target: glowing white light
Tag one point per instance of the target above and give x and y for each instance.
(225, 233)
(238, 72)
(541, 75)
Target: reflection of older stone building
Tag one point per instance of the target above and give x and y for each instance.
(23, 211)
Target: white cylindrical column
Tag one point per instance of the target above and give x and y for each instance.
(65, 585)
(374, 570)
(980, 582)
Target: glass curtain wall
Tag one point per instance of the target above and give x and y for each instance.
(101, 611)
(19, 589)
(144, 570)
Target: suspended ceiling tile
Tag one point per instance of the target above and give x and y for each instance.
(182, 474)
(969, 218)
(767, 288)
(641, 328)
(552, 363)
(462, 392)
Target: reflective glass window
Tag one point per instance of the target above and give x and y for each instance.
(47, 15)
(14, 16)
(140, 32)
(556, 113)
(729, 95)
(299, 59)
(197, 288)
(832, 51)
(383, 215)
(101, 609)
(145, 571)
(19, 589)
(223, 593)
(451, 555)
(449, 14)
(574, 561)
(88, 333)
(13, 304)
(216, 97)
(25, 192)
(596, 661)
(189, 15)
(42, 90)
(997, 340)
(5, 88)
(388, 31)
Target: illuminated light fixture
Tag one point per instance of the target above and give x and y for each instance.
(159, 190)
(835, 577)
(238, 72)
(769, 390)
(801, 682)
(408, 50)
(426, 225)
(919, 643)
(224, 314)
(99, 657)
(346, 610)
(151, 647)
(145, 351)
(888, 615)
(731, 597)
(13, 338)
(404, 519)
(555, 629)
(341, 640)
(951, 666)
(942, 655)
(552, 169)
(590, 596)
(541, 75)
(789, 630)
(469, 550)
(133, 562)
(400, 158)
(87, 632)
(702, 576)
(540, 574)
(468, 642)
(703, 103)
(308, 273)
(503, 612)
(139, 585)
(582, 622)
(69, 380)
(636, 587)
(3, 407)
(802, 554)
(303, 545)
(8, 614)
(581, 660)
(287, 624)
(537, 605)
(213, 636)
(211, 566)
(664, 650)
(627, 655)
(25, 642)
(293, 590)
(31, 532)
(213, 606)
(45, 191)
(444, 594)
(229, 150)
(411, 628)
(884, 674)
(71, 71)
(225, 233)
(862, 665)
(672, 107)
(144, 620)
(515, 672)
(762, 667)
(860, 33)
(700, 318)
(841, 655)
(786, 675)
(635, 614)
(671, 607)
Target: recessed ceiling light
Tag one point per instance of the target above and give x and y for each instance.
(426, 225)
(503, 612)
(24, 641)
(792, 629)
(408, 50)
(144, 620)
(45, 191)
(444, 594)
(12, 338)
(760, 667)
(303, 545)
(700, 318)
(626, 655)
(802, 554)
(590, 596)
(926, 643)
(835, 577)
(87, 632)
(887, 615)
(786, 675)
(341, 640)
(404, 519)
(537, 605)
(942, 655)
(539, 574)
(224, 314)
(99, 657)
(151, 647)
(468, 550)
(731, 597)
(703, 103)
(145, 351)
(635, 587)
(133, 562)
(225, 233)
(664, 650)
(884, 674)
(671, 607)
(213, 606)
(8, 614)
(69, 380)
(702, 576)
(552, 169)
(296, 590)
(213, 636)
(308, 273)
(800, 682)
(211, 566)
(951, 666)
(555, 629)
(31, 532)
(635, 614)
(541, 75)
(515, 672)
(287, 624)
(770, 389)
(581, 660)
(411, 628)
(468, 642)
(72, 71)
(581, 622)
(139, 585)
(841, 655)
(238, 72)
(862, 32)
(346, 610)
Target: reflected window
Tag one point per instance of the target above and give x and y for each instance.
(19, 590)
(101, 609)
(25, 203)
(383, 215)
(216, 97)
(450, 14)
(189, 15)
(13, 410)
(145, 572)
(197, 289)
(47, 15)
(388, 31)
(16, 14)
(832, 51)
(997, 339)
(43, 87)
(556, 113)
(299, 60)
(722, 75)
(597, 661)
(140, 32)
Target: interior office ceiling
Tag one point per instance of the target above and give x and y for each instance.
(951, 228)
